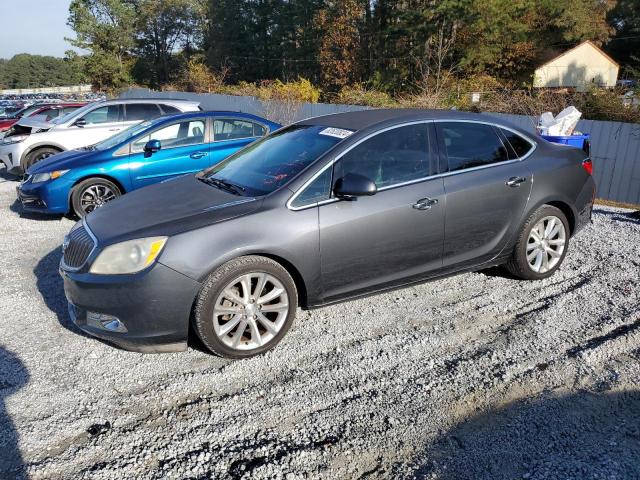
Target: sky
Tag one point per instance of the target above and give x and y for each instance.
(34, 26)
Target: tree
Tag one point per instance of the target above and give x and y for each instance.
(340, 48)
(24, 71)
(164, 27)
(107, 29)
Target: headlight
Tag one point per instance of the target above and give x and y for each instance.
(43, 177)
(14, 139)
(128, 257)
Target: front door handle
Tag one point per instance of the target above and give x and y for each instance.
(425, 203)
(198, 154)
(515, 181)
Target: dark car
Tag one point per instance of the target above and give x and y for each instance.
(327, 209)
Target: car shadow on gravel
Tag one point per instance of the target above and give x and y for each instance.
(51, 287)
(16, 207)
(584, 435)
(13, 376)
(628, 216)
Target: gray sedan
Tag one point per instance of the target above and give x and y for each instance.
(324, 210)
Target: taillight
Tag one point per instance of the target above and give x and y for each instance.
(588, 166)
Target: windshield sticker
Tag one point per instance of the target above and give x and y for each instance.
(336, 132)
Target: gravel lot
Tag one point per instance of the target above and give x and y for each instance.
(475, 376)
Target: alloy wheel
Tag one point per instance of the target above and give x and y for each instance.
(94, 196)
(546, 244)
(250, 311)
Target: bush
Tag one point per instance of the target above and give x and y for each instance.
(359, 95)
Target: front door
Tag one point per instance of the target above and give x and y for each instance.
(184, 149)
(394, 235)
(487, 192)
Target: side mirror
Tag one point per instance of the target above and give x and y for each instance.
(152, 147)
(354, 185)
(81, 122)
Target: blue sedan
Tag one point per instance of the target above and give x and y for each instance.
(79, 181)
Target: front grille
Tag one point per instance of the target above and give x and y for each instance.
(79, 245)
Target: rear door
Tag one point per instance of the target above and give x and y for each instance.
(393, 235)
(185, 149)
(231, 134)
(486, 190)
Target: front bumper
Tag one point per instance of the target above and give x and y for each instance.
(45, 197)
(10, 155)
(154, 306)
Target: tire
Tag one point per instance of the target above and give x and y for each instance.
(38, 155)
(533, 249)
(226, 326)
(98, 190)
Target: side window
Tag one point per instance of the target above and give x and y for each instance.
(234, 129)
(471, 145)
(169, 110)
(316, 191)
(391, 157)
(136, 112)
(108, 114)
(52, 113)
(176, 135)
(519, 146)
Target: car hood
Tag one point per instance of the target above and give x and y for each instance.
(7, 122)
(35, 122)
(165, 209)
(62, 161)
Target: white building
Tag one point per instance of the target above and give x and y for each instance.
(577, 68)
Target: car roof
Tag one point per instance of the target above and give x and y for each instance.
(362, 119)
(169, 101)
(214, 113)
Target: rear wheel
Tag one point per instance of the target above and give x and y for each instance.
(38, 155)
(92, 193)
(542, 245)
(245, 307)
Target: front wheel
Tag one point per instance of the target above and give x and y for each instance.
(541, 246)
(245, 307)
(38, 155)
(92, 193)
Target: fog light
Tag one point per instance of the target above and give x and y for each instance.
(105, 322)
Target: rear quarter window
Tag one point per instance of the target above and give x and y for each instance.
(517, 145)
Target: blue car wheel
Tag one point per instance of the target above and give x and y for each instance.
(93, 193)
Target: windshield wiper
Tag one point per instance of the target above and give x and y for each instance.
(224, 185)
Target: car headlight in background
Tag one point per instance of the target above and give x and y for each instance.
(128, 257)
(13, 139)
(43, 177)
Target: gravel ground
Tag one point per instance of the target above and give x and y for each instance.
(475, 376)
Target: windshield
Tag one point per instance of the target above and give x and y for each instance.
(24, 111)
(266, 165)
(123, 136)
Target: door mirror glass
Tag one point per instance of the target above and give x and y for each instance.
(354, 185)
(81, 122)
(152, 147)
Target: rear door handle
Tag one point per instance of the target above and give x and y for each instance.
(515, 181)
(198, 154)
(425, 203)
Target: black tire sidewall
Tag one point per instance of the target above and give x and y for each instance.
(31, 157)
(521, 247)
(78, 189)
(217, 281)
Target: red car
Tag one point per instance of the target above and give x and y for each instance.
(51, 111)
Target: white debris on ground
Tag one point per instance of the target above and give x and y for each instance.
(474, 376)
